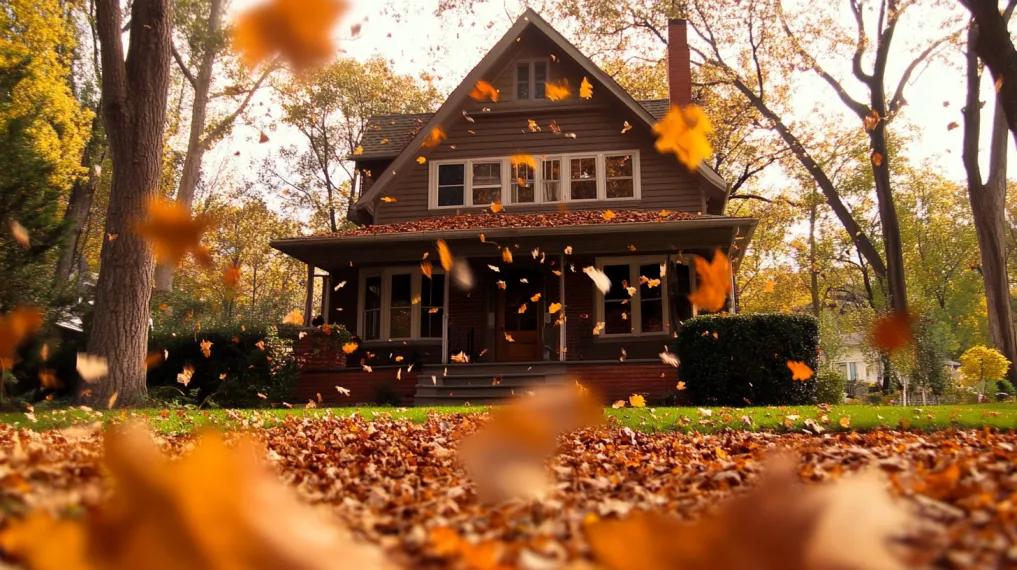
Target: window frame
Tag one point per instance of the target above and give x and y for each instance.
(531, 78)
(635, 302)
(416, 280)
(564, 181)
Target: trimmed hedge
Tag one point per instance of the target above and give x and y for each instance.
(741, 360)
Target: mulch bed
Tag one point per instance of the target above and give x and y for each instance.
(395, 481)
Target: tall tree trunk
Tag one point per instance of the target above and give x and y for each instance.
(988, 206)
(134, 92)
(813, 268)
(196, 145)
(888, 220)
(994, 46)
(80, 203)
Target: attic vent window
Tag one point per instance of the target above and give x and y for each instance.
(531, 77)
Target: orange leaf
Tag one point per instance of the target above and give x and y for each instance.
(892, 331)
(586, 89)
(637, 401)
(206, 348)
(526, 159)
(713, 280)
(300, 31)
(445, 254)
(350, 347)
(484, 91)
(506, 255)
(558, 91)
(434, 138)
(496, 207)
(877, 159)
(389, 199)
(426, 268)
(608, 215)
(554, 308)
(685, 131)
(799, 370)
(871, 120)
(172, 233)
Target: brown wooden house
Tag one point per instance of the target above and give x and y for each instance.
(600, 196)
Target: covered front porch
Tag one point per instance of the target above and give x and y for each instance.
(532, 314)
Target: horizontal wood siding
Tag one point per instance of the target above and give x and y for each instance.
(365, 387)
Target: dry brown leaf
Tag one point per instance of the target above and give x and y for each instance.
(172, 233)
(713, 282)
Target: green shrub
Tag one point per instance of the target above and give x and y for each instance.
(245, 368)
(741, 360)
(1004, 390)
(830, 387)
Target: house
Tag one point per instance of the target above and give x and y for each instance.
(858, 363)
(596, 195)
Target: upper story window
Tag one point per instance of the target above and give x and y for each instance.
(531, 77)
(401, 303)
(479, 182)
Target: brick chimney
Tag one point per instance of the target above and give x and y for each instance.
(679, 64)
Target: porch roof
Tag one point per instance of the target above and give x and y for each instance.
(588, 232)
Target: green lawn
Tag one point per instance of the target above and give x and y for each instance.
(782, 418)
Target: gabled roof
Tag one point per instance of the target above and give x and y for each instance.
(387, 135)
(457, 98)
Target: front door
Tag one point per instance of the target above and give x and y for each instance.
(519, 317)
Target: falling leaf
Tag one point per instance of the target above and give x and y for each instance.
(527, 159)
(342, 391)
(680, 386)
(685, 131)
(434, 138)
(358, 150)
(951, 125)
(599, 328)
(460, 357)
(445, 255)
(877, 159)
(426, 269)
(389, 199)
(300, 31)
(626, 127)
(184, 377)
(637, 401)
(20, 234)
(206, 348)
(350, 347)
(509, 337)
(892, 331)
(553, 308)
(484, 91)
(618, 404)
(294, 317)
(15, 328)
(421, 160)
(600, 279)
(263, 138)
(172, 233)
(845, 422)
(557, 90)
(532, 126)
(496, 207)
(586, 89)
(91, 368)
(799, 370)
(506, 255)
(998, 84)
(535, 297)
(713, 280)
(669, 358)
(462, 275)
(608, 215)
(568, 250)
(522, 309)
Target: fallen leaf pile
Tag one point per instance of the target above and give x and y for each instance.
(400, 485)
(489, 220)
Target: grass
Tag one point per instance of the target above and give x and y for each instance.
(784, 418)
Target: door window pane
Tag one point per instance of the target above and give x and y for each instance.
(486, 183)
(523, 81)
(400, 307)
(451, 178)
(432, 303)
(583, 178)
(651, 301)
(372, 308)
(617, 303)
(619, 176)
(522, 183)
(551, 180)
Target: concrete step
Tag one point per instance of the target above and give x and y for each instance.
(482, 383)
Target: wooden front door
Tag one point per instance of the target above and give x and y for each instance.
(519, 334)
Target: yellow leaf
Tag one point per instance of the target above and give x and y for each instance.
(445, 255)
(586, 89)
(206, 348)
(300, 31)
(637, 401)
(359, 150)
(685, 131)
(713, 280)
(350, 347)
(535, 297)
(845, 422)
(526, 159)
(557, 91)
(484, 91)
(799, 370)
(434, 138)
(389, 199)
(554, 308)
(32, 540)
(506, 255)
(496, 207)
(421, 160)
(680, 386)
(91, 368)
(609, 215)
(20, 234)
(294, 317)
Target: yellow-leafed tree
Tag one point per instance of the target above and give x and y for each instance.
(981, 364)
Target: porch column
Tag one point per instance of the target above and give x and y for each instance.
(562, 347)
(309, 296)
(444, 319)
(326, 297)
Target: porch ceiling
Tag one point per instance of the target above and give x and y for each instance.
(732, 235)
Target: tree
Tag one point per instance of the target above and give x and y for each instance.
(43, 129)
(201, 22)
(134, 92)
(994, 46)
(330, 109)
(988, 199)
(981, 364)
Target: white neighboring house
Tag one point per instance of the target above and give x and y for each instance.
(856, 363)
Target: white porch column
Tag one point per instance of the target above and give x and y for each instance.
(562, 346)
(309, 296)
(444, 320)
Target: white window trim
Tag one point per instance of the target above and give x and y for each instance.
(635, 305)
(564, 184)
(386, 274)
(532, 77)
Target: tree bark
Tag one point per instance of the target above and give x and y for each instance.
(994, 47)
(988, 207)
(813, 269)
(134, 91)
(80, 203)
(196, 145)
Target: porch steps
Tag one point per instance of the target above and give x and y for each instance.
(482, 383)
